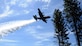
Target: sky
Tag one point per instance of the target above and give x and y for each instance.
(19, 28)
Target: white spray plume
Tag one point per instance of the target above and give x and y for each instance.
(11, 26)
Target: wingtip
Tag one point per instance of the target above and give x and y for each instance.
(45, 22)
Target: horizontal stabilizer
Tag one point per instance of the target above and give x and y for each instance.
(35, 17)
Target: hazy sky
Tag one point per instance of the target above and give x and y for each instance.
(18, 27)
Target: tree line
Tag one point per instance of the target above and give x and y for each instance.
(69, 19)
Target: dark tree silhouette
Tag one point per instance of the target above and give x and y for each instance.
(73, 14)
(60, 29)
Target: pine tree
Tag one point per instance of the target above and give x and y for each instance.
(73, 13)
(60, 29)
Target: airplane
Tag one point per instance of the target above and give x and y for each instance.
(42, 17)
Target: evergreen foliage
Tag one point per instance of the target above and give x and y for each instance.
(73, 14)
(60, 29)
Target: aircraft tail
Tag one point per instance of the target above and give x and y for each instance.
(35, 17)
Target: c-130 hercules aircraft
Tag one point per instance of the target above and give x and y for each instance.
(42, 17)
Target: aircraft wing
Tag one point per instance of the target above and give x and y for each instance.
(47, 17)
(40, 13)
(44, 20)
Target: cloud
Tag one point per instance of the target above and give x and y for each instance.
(36, 34)
(29, 0)
(7, 40)
(13, 2)
(46, 1)
(6, 12)
(11, 44)
(26, 11)
(39, 43)
(39, 27)
(49, 42)
(25, 3)
(42, 37)
(8, 27)
(46, 5)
